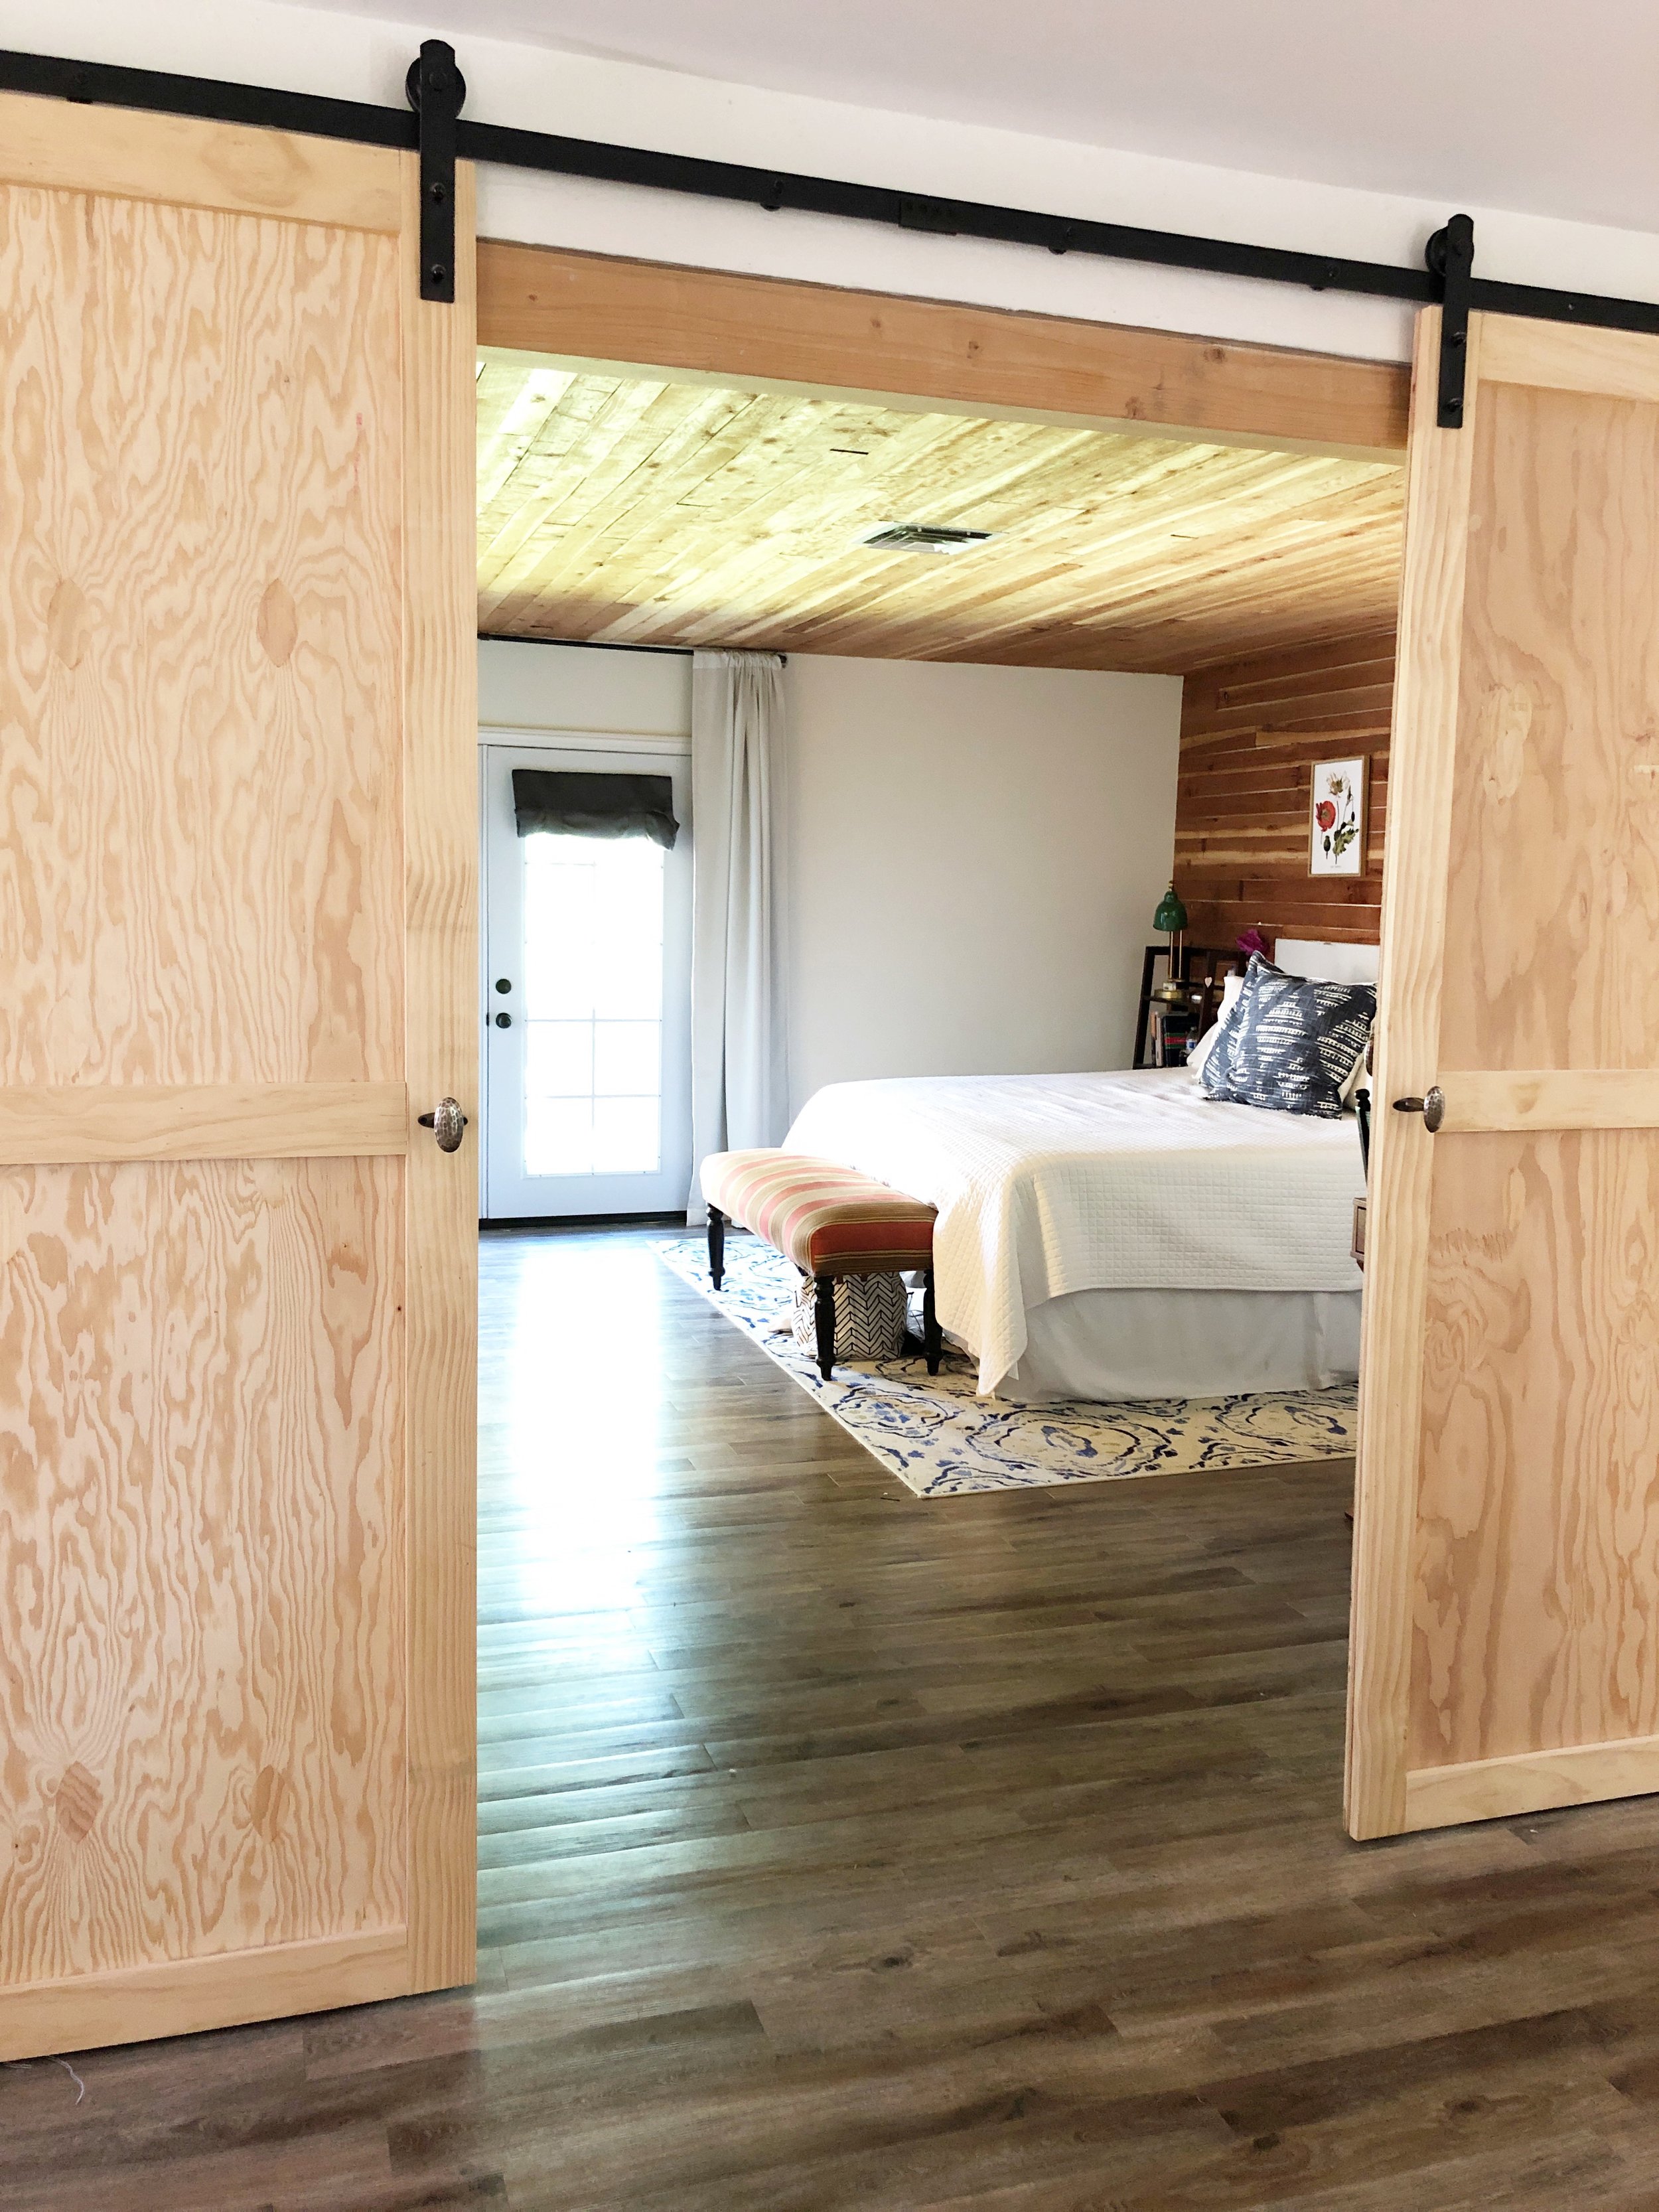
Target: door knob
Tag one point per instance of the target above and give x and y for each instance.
(1432, 1106)
(503, 1021)
(447, 1122)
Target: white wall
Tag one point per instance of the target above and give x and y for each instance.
(311, 51)
(584, 688)
(976, 854)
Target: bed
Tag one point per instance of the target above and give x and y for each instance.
(1121, 1235)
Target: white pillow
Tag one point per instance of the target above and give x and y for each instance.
(1232, 986)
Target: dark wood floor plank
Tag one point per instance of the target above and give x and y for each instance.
(843, 1849)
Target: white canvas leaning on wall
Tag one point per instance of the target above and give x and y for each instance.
(1326, 964)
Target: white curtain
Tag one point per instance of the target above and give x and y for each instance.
(739, 1038)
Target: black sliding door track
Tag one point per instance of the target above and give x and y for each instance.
(1447, 277)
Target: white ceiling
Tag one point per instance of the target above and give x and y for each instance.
(1547, 106)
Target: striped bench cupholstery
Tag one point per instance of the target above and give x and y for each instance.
(830, 1220)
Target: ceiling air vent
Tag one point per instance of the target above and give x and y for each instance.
(924, 537)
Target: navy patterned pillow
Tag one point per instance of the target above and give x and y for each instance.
(1291, 1044)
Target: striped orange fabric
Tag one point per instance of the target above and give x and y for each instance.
(829, 1219)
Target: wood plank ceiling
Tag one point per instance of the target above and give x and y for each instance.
(648, 512)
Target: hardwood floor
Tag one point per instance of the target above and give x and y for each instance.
(843, 1850)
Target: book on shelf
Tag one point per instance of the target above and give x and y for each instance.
(1171, 1033)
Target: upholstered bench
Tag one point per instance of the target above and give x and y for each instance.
(830, 1221)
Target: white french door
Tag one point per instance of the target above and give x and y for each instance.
(587, 1003)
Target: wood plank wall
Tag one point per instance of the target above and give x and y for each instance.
(1251, 732)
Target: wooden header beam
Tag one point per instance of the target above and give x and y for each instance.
(771, 332)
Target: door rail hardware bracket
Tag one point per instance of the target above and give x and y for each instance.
(1451, 256)
(436, 89)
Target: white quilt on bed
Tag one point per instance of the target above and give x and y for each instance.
(1049, 1184)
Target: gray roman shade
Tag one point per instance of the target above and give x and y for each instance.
(577, 805)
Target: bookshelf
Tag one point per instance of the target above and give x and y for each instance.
(1166, 1031)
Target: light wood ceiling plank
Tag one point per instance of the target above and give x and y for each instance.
(512, 413)
(618, 498)
(840, 584)
(641, 510)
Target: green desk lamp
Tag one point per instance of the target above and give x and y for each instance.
(1171, 917)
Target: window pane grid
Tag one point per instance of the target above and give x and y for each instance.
(593, 931)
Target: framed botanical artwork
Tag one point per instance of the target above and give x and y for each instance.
(1336, 831)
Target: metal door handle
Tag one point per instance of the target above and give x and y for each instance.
(447, 1122)
(503, 1021)
(1432, 1106)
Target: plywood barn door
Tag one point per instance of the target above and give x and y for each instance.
(237, 960)
(1505, 1653)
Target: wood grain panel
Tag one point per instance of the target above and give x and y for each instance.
(236, 1386)
(442, 721)
(152, 2001)
(199, 699)
(1422, 752)
(1531, 1782)
(201, 1453)
(765, 332)
(1506, 1606)
(1606, 364)
(1537, 1537)
(1251, 731)
(189, 163)
(74, 1122)
(1553, 897)
(1551, 1098)
(640, 511)
(1537, 1553)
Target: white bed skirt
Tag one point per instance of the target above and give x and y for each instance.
(1187, 1344)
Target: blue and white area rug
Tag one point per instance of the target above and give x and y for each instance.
(942, 1439)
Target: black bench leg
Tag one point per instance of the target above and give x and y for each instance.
(716, 1246)
(823, 1313)
(933, 1341)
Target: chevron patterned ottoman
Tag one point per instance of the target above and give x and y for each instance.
(830, 1221)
